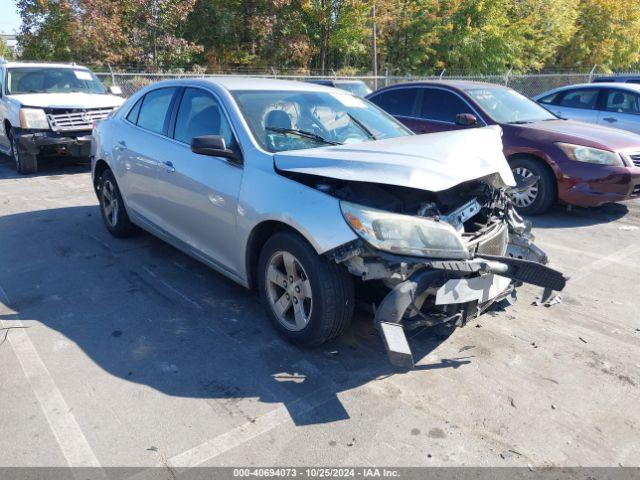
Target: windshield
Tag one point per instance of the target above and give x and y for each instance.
(52, 80)
(508, 106)
(357, 88)
(281, 120)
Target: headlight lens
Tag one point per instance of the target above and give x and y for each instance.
(404, 234)
(33, 118)
(581, 153)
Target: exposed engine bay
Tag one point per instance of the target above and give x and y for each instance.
(419, 291)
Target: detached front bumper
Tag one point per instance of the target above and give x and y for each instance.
(466, 287)
(76, 144)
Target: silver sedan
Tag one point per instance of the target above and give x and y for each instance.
(305, 192)
(611, 104)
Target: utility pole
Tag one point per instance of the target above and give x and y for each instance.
(374, 41)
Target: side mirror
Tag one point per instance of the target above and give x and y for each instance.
(115, 90)
(213, 146)
(466, 120)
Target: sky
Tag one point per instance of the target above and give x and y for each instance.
(9, 18)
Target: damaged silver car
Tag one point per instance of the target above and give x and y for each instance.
(314, 197)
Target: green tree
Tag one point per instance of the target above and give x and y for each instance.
(5, 51)
(607, 35)
(48, 29)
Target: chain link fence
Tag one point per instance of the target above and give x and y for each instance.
(530, 84)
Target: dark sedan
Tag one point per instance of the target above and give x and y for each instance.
(575, 163)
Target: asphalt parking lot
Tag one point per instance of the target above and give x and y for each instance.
(128, 352)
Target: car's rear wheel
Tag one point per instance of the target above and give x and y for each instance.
(114, 213)
(309, 298)
(538, 197)
(25, 163)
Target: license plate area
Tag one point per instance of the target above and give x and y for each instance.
(480, 289)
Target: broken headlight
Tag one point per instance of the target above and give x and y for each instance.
(404, 234)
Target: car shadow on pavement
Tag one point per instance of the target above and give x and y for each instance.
(146, 313)
(50, 166)
(560, 216)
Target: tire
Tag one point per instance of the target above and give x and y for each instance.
(114, 213)
(328, 311)
(545, 188)
(25, 163)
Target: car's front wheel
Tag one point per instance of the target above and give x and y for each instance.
(112, 207)
(309, 298)
(25, 163)
(538, 197)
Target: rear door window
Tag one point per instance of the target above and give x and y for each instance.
(441, 105)
(583, 98)
(399, 101)
(154, 109)
(620, 101)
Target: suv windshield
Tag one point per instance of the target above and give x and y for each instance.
(52, 80)
(504, 105)
(283, 120)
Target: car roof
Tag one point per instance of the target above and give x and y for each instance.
(252, 83)
(42, 65)
(616, 78)
(458, 84)
(633, 87)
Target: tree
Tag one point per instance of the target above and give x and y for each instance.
(5, 51)
(607, 35)
(48, 29)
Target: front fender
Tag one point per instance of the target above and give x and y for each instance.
(267, 196)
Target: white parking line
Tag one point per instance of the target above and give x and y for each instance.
(72, 442)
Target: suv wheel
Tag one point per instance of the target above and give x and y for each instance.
(309, 299)
(24, 162)
(112, 207)
(539, 197)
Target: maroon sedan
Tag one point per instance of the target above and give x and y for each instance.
(575, 163)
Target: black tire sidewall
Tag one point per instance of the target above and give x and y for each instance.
(546, 186)
(123, 226)
(321, 322)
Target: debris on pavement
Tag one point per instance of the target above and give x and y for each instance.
(553, 406)
(508, 454)
(352, 442)
(552, 301)
(583, 340)
(512, 402)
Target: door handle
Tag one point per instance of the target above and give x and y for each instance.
(169, 167)
(610, 119)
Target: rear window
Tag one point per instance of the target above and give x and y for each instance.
(397, 102)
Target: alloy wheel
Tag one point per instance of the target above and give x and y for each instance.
(110, 203)
(289, 291)
(525, 198)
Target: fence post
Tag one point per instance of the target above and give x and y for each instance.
(275, 74)
(593, 70)
(442, 73)
(386, 77)
(506, 77)
(113, 78)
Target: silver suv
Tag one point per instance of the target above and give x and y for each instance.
(50, 109)
(306, 192)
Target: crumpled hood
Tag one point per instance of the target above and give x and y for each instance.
(67, 100)
(432, 162)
